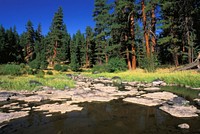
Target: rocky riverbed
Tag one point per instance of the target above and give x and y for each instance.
(15, 104)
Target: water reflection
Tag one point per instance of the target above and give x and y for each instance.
(115, 117)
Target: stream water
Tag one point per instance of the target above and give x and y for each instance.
(114, 117)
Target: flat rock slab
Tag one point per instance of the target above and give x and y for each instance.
(180, 111)
(152, 89)
(160, 95)
(62, 108)
(33, 98)
(124, 93)
(143, 101)
(14, 115)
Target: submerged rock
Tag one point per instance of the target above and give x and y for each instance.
(13, 115)
(180, 111)
(184, 126)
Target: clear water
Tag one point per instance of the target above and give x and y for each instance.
(115, 117)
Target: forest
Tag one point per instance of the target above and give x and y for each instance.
(128, 34)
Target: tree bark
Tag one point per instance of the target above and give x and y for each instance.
(54, 52)
(188, 40)
(153, 28)
(87, 55)
(128, 58)
(146, 33)
(132, 38)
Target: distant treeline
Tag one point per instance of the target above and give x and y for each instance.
(143, 33)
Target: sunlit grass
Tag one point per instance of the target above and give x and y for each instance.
(190, 78)
(58, 81)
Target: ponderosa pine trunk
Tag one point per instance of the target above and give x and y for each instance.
(132, 38)
(128, 58)
(54, 53)
(146, 33)
(188, 40)
(87, 55)
(153, 28)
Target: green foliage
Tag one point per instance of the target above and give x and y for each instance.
(25, 82)
(116, 64)
(49, 72)
(10, 69)
(64, 68)
(40, 74)
(58, 67)
(35, 64)
(100, 68)
(150, 64)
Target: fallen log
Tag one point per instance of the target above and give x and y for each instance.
(193, 65)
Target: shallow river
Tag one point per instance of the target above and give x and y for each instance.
(115, 117)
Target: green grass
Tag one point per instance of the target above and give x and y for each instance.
(189, 78)
(58, 81)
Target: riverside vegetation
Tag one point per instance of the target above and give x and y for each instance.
(21, 77)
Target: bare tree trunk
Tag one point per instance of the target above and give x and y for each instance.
(188, 41)
(175, 57)
(132, 22)
(54, 52)
(87, 55)
(128, 58)
(146, 33)
(153, 28)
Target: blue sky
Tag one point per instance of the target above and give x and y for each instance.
(77, 13)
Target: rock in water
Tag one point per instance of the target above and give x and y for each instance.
(184, 126)
(117, 81)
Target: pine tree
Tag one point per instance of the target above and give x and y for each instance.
(29, 53)
(122, 30)
(74, 51)
(56, 37)
(101, 17)
(3, 47)
(88, 51)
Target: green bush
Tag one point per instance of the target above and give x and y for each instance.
(57, 67)
(49, 72)
(44, 65)
(64, 68)
(40, 74)
(100, 68)
(150, 64)
(10, 69)
(35, 64)
(116, 64)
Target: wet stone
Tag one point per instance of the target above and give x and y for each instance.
(184, 126)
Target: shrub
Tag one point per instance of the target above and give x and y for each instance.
(57, 67)
(10, 69)
(150, 64)
(100, 68)
(64, 68)
(116, 64)
(43, 65)
(40, 74)
(35, 64)
(49, 72)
